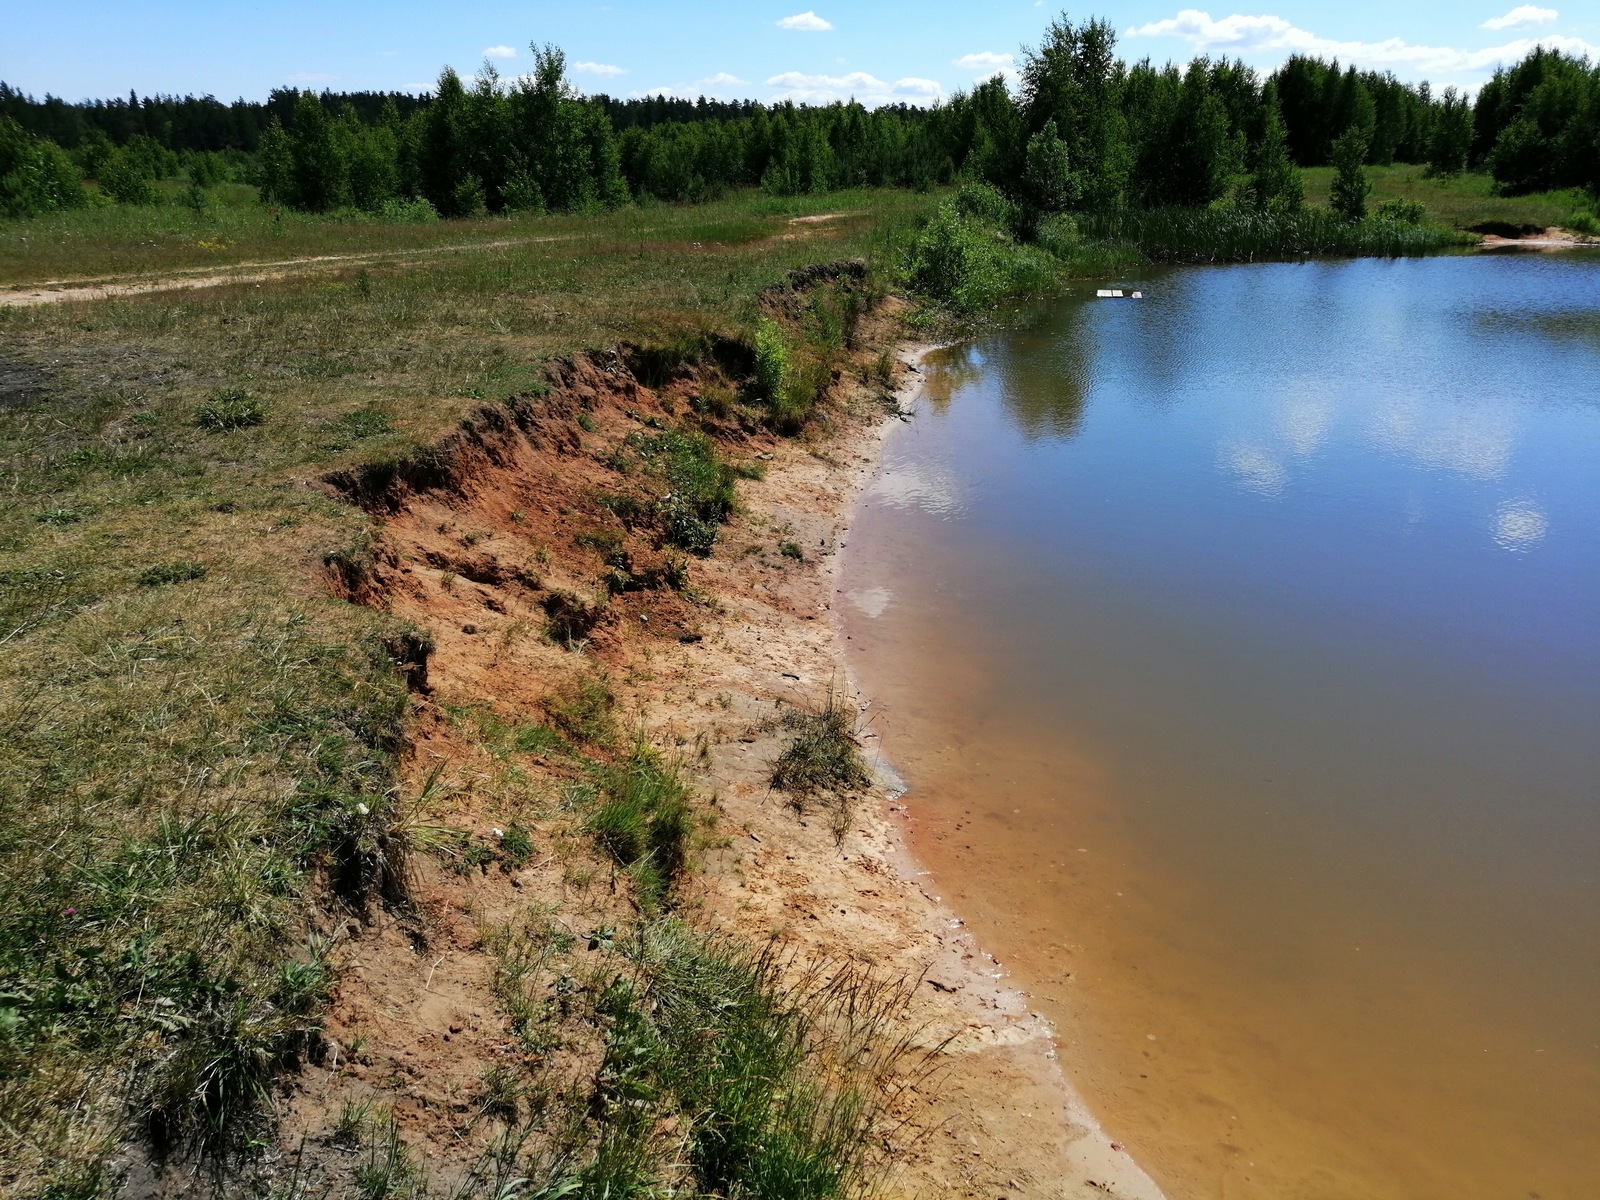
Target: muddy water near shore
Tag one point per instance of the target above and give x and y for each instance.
(1240, 647)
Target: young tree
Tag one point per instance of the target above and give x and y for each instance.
(1348, 196)
(1047, 182)
(1275, 184)
(1074, 78)
(321, 180)
(275, 166)
(1451, 139)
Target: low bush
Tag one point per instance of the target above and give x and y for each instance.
(969, 266)
(1401, 211)
(36, 176)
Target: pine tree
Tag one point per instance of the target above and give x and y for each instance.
(1350, 190)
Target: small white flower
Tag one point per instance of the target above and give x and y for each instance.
(362, 809)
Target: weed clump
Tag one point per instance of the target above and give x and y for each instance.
(230, 408)
(823, 762)
(181, 571)
(643, 820)
(584, 709)
(772, 359)
(774, 1081)
(700, 487)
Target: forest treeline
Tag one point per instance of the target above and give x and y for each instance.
(1122, 136)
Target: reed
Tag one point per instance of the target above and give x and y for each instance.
(1192, 235)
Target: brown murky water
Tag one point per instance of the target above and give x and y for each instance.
(1240, 648)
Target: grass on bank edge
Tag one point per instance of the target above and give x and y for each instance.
(200, 772)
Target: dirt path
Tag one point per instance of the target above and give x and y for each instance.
(65, 291)
(68, 291)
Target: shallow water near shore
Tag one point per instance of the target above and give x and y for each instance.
(1240, 648)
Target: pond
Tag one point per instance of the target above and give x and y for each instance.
(1240, 648)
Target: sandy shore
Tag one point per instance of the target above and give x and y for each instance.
(474, 562)
(1002, 1118)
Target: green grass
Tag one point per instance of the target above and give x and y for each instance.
(642, 818)
(200, 740)
(771, 1089)
(1459, 201)
(102, 242)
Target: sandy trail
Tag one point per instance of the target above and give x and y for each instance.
(68, 291)
(64, 291)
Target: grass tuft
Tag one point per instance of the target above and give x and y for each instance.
(823, 762)
(174, 572)
(230, 408)
(584, 709)
(643, 819)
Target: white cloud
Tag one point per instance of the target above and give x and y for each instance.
(1241, 34)
(314, 77)
(868, 89)
(594, 68)
(1526, 14)
(807, 22)
(987, 64)
(500, 52)
(708, 86)
(987, 60)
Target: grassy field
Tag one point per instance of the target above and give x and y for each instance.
(95, 243)
(196, 731)
(1461, 201)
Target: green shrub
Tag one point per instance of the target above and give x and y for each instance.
(230, 408)
(1584, 222)
(36, 176)
(1401, 211)
(127, 180)
(969, 266)
(407, 212)
(978, 200)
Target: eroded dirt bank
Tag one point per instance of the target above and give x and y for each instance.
(504, 549)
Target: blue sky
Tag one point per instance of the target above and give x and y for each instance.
(877, 50)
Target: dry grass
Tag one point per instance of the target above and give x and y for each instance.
(200, 740)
